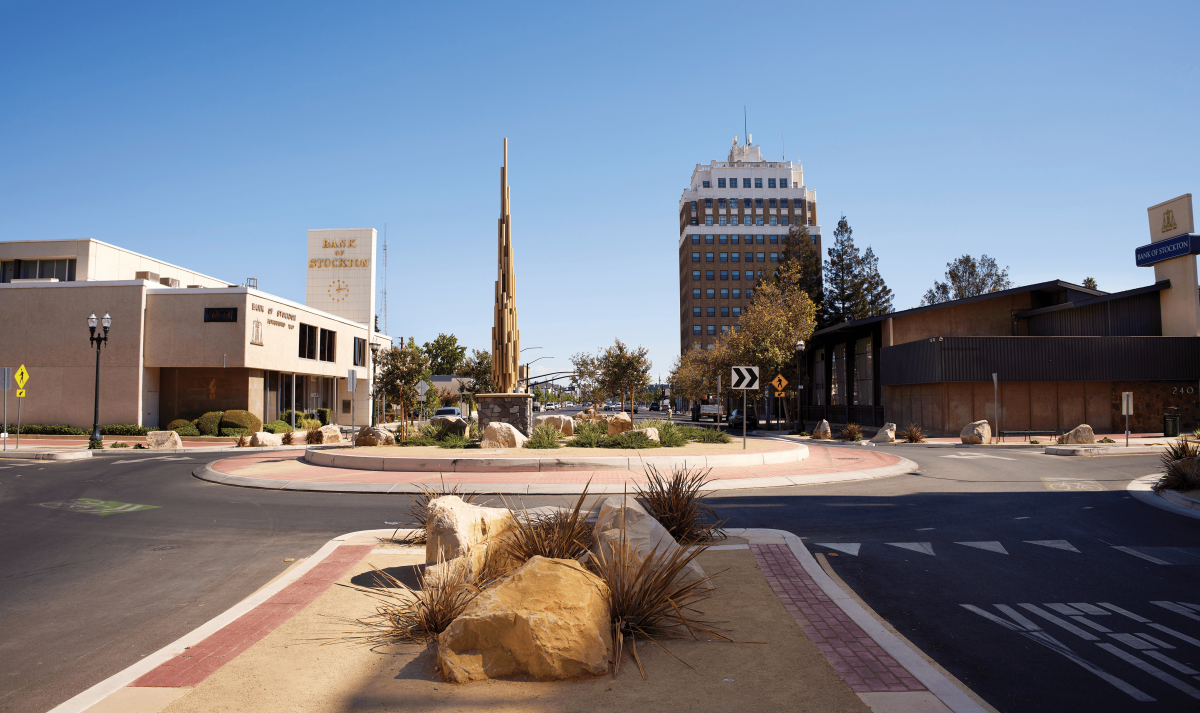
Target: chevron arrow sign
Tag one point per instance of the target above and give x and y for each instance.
(745, 377)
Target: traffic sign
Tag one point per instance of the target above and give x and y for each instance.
(779, 394)
(779, 382)
(21, 376)
(745, 377)
(6, 375)
(20, 393)
(1126, 403)
(351, 381)
(422, 387)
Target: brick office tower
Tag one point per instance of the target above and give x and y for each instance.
(731, 223)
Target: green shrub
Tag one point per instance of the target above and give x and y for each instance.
(241, 419)
(307, 424)
(544, 436)
(233, 432)
(629, 440)
(125, 429)
(323, 416)
(417, 440)
(453, 440)
(671, 437)
(178, 423)
(588, 434)
(852, 432)
(278, 427)
(210, 423)
(187, 429)
(118, 444)
(711, 435)
(1106, 440)
(94, 444)
(33, 429)
(475, 433)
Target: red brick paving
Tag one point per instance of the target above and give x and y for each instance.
(861, 663)
(202, 660)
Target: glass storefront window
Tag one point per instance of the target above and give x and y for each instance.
(837, 395)
(818, 378)
(864, 373)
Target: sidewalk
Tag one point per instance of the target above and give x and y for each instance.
(815, 648)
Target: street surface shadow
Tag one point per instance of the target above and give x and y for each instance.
(404, 573)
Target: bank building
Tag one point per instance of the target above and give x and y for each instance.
(182, 343)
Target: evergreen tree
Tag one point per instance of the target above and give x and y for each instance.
(877, 296)
(445, 354)
(844, 300)
(968, 277)
(1090, 283)
(800, 257)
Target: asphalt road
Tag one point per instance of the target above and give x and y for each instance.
(83, 596)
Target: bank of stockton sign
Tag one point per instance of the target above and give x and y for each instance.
(1178, 246)
(339, 248)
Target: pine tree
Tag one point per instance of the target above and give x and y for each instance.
(800, 256)
(843, 278)
(877, 296)
(968, 277)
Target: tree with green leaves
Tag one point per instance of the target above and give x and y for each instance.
(799, 257)
(398, 370)
(445, 354)
(844, 301)
(589, 378)
(876, 295)
(968, 277)
(1090, 283)
(625, 370)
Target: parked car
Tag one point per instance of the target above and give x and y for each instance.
(448, 411)
(735, 420)
(655, 407)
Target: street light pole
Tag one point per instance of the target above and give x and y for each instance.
(799, 383)
(106, 322)
(371, 385)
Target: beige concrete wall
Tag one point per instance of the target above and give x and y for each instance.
(98, 261)
(45, 329)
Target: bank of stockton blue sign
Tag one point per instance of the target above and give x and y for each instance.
(1177, 246)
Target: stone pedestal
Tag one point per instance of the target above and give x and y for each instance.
(513, 409)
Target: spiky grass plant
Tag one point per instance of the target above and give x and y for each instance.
(670, 436)
(453, 440)
(588, 434)
(544, 437)
(1175, 476)
(653, 600)
(911, 434)
(242, 442)
(711, 435)
(557, 535)
(314, 435)
(289, 438)
(852, 432)
(418, 512)
(677, 502)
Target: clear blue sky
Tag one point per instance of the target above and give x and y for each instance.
(214, 135)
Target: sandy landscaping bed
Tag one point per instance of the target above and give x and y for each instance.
(752, 446)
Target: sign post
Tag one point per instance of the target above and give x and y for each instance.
(352, 386)
(779, 382)
(5, 378)
(744, 378)
(21, 377)
(1126, 411)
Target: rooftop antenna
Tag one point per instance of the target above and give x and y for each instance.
(784, 137)
(746, 125)
(384, 310)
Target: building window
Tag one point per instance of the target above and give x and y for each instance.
(721, 220)
(758, 220)
(706, 184)
(733, 239)
(695, 240)
(737, 275)
(733, 220)
(708, 240)
(759, 239)
(735, 256)
(707, 201)
(762, 257)
(695, 257)
(749, 257)
(783, 203)
(771, 202)
(771, 184)
(696, 329)
(758, 203)
(308, 341)
(864, 374)
(774, 257)
(695, 221)
(774, 239)
(708, 220)
(712, 311)
(737, 295)
(773, 221)
(747, 203)
(837, 396)
(724, 274)
(711, 293)
(783, 183)
(696, 293)
(724, 294)
(783, 220)
(693, 207)
(724, 311)
(724, 257)
(709, 274)
(720, 202)
(327, 347)
(737, 311)
(758, 183)
(219, 314)
(712, 329)
(695, 311)
(745, 183)
(749, 294)
(818, 378)
(722, 239)
(695, 274)
(724, 329)
(720, 183)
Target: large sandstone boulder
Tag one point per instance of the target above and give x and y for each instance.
(332, 434)
(502, 435)
(644, 535)
(163, 439)
(262, 438)
(564, 424)
(371, 436)
(548, 619)
(453, 527)
(619, 424)
(452, 424)
(977, 432)
(887, 434)
(822, 431)
(651, 433)
(1078, 435)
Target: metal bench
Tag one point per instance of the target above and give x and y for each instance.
(1052, 433)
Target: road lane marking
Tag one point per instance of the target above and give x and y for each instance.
(1135, 553)
(1193, 607)
(850, 548)
(1090, 609)
(1182, 611)
(975, 457)
(1023, 517)
(1131, 615)
(92, 506)
(1157, 642)
(992, 546)
(1133, 642)
(922, 529)
(1176, 634)
(1156, 672)
(1172, 663)
(1056, 544)
(1086, 636)
(924, 548)
(1071, 484)
(1018, 617)
(1094, 625)
(142, 460)
(1066, 609)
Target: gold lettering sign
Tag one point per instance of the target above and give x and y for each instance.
(1169, 221)
(338, 262)
(336, 244)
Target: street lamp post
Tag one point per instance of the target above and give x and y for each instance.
(98, 341)
(371, 386)
(799, 383)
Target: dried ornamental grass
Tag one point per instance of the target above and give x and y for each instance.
(677, 502)
(314, 435)
(289, 438)
(852, 432)
(1176, 477)
(911, 434)
(557, 535)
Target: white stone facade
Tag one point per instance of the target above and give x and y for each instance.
(341, 273)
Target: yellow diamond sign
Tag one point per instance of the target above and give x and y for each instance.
(779, 382)
(21, 376)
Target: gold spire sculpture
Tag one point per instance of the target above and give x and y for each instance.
(506, 338)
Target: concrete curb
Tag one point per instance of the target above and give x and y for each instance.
(206, 472)
(912, 660)
(59, 455)
(219, 449)
(549, 464)
(1098, 451)
(1142, 489)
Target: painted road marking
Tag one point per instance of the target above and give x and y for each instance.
(1065, 609)
(1018, 617)
(91, 506)
(1176, 634)
(1133, 642)
(1135, 553)
(923, 529)
(1023, 517)
(1075, 484)
(1182, 611)
(974, 457)
(924, 548)
(140, 460)
(1157, 642)
(1156, 672)
(1056, 544)
(992, 546)
(850, 548)
(1161, 658)
(1129, 614)
(1094, 625)
(1089, 609)
(1056, 620)
(1058, 647)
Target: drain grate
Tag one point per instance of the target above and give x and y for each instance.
(168, 547)
(99, 480)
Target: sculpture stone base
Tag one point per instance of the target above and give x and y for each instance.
(513, 409)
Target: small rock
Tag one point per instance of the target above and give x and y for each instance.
(163, 439)
(262, 438)
(453, 527)
(887, 434)
(644, 535)
(1078, 435)
(453, 424)
(502, 435)
(565, 424)
(976, 432)
(822, 431)
(619, 424)
(651, 433)
(371, 436)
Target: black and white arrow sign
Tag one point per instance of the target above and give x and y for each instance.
(745, 377)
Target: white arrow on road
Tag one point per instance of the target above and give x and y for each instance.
(992, 546)
(966, 457)
(850, 548)
(925, 548)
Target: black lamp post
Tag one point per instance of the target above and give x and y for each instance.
(371, 386)
(99, 341)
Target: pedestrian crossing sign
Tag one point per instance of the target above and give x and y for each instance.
(21, 376)
(779, 382)
(20, 393)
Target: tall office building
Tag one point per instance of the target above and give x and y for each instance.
(732, 219)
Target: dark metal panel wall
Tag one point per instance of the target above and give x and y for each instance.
(1135, 316)
(1042, 359)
